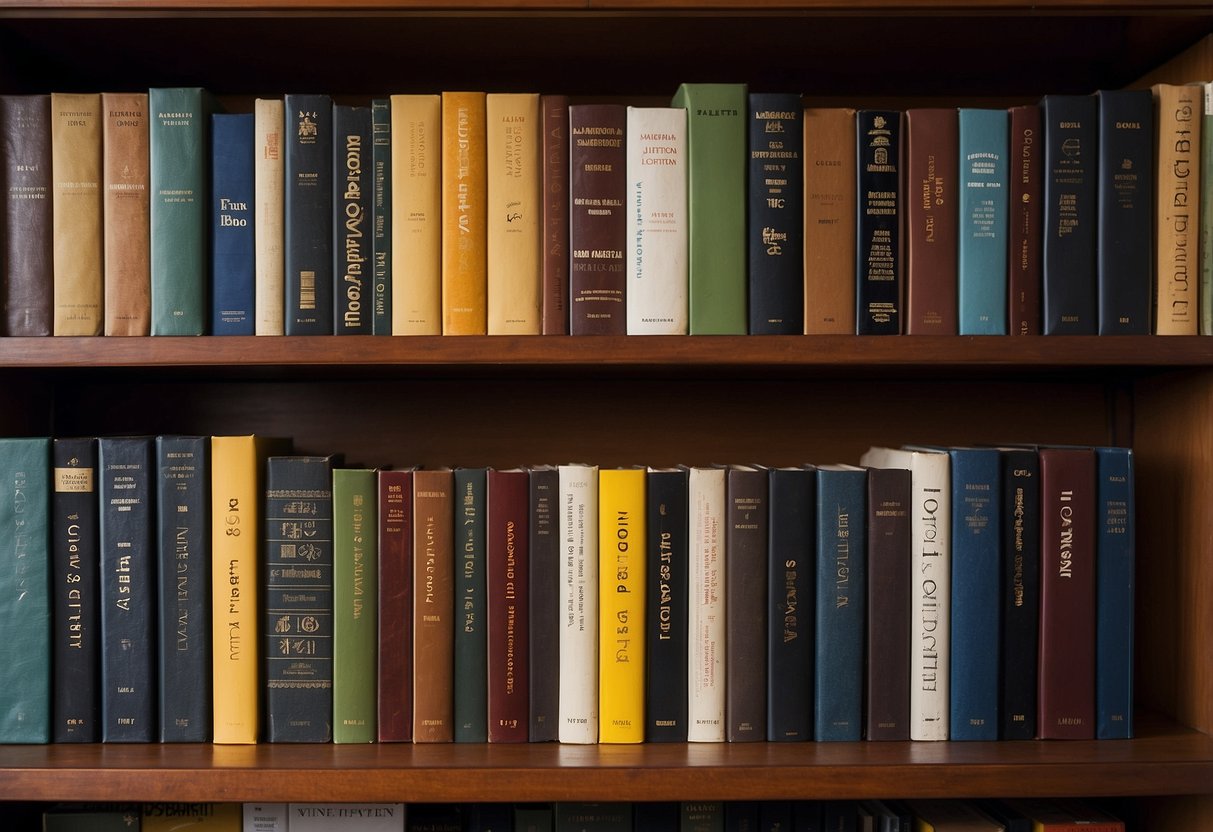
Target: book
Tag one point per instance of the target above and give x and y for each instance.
(99, 818)
(381, 215)
(746, 541)
(233, 272)
(1124, 238)
(200, 817)
(1177, 204)
(264, 817)
(829, 220)
(395, 701)
(355, 604)
(579, 603)
(716, 195)
(27, 223)
(667, 600)
(25, 603)
(433, 605)
(464, 213)
(951, 816)
(126, 466)
(125, 213)
(932, 220)
(1115, 520)
(621, 592)
(1020, 592)
(353, 221)
(878, 211)
(776, 215)
(544, 613)
(1024, 245)
(332, 817)
(1205, 290)
(707, 590)
(887, 657)
(791, 572)
(1065, 815)
(179, 150)
(593, 817)
(554, 121)
(76, 166)
(507, 533)
(308, 215)
(705, 816)
(1070, 215)
(515, 206)
(416, 214)
(76, 592)
(269, 129)
(656, 221)
(597, 219)
(471, 594)
(298, 608)
(984, 183)
(184, 597)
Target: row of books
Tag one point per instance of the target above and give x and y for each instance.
(222, 588)
(728, 212)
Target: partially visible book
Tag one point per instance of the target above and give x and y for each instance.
(416, 214)
(829, 221)
(264, 817)
(776, 214)
(76, 170)
(951, 816)
(233, 271)
(464, 214)
(1024, 242)
(554, 120)
(395, 701)
(878, 276)
(621, 591)
(471, 603)
(1177, 205)
(191, 817)
(355, 604)
(27, 222)
(269, 117)
(1065, 815)
(578, 508)
(507, 535)
(1071, 157)
(356, 817)
(126, 213)
(932, 220)
(1116, 524)
(707, 586)
(433, 605)
(308, 215)
(1205, 291)
(353, 223)
(515, 205)
(381, 215)
(982, 264)
(597, 219)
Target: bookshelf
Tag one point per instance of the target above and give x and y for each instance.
(664, 400)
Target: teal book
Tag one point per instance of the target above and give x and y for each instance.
(471, 597)
(982, 258)
(179, 152)
(25, 603)
(381, 215)
(355, 604)
(717, 127)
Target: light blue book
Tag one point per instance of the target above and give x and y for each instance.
(1114, 571)
(982, 255)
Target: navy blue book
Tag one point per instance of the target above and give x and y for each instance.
(841, 602)
(232, 220)
(666, 645)
(776, 215)
(308, 215)
(976, 572)
(1071, 157)
(353, 222)
(982, 256)
(1115, 556)
(381, 212)
(1020, 591)
(543, 573)
(471, 613)
(1125, 234)
(183, 535)
(878, 206)
(790, 573)
(128, 590)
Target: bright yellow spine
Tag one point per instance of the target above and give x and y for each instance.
(464, 214)
(621, 566)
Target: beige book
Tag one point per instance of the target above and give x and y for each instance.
(829, 221)
(76, 182)
(514, 209)
(464, 194)
(416, 215)
(1178, 109)
(126, 210)
(269, 126)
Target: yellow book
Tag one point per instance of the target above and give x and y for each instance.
(515, 205)
(76, 182)
(237, 469)
(192, 817)
(1178, 108)
(416, 212)
(621, 565)
(464, 194)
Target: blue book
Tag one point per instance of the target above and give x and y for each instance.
(353, 226)
(841, 602)
(976, 610)
(232, 249)
(381, 212)
(308, 215)
(1115, 557)
(790, 572)
(471, 613)
(982, 257)
(776, 215)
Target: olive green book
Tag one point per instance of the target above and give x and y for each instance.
(355, 604)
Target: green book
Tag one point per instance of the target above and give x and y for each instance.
(716, 193)
(179, 150)
(355, 604)
(1205, 293)
(471, 588)
(25, 615)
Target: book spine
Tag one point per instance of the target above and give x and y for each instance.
(395, 715)
(776, 215)
(555, 118)
(77, 213)
(381, 215)
(745, 605)
(417, 214)
(544, 612)
(308, 215)
(353, 220)
(355, 604)
(1178, 208)
(932, 221)
(125, 213)
(1205, 289)
(28, 219)
(1071, 157)
(621, 591)
(471, 594)
(878, 209)
(706, 606)
(183, 535)
(269, 116)
(128, 593)
(1020, 593)
(889, 580)
(665, 703)
(579, 604)
(1125, 236)
(508, 533)
(515, 206)
(1114, 593)
(76, 553)
(982, 261)
(464, 214)
(1024, 224)
(233, 246)
(931, 565)
(790, 572)
(433, 605)
(829, 221)
(298, 613)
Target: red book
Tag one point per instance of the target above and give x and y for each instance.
(554, 110)
(1024, 228)
(508, 533)
(395, 606)
(932, 220)
(597, 223)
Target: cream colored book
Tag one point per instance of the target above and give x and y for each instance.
(706, 622)
(1178, 108)
(416, 215)
(269, 125)
(77, 212)
(578, 714)
(514, 206)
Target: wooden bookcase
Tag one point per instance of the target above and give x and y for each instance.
(658, 400)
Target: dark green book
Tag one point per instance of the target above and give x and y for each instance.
(471, 594)
(355, 604)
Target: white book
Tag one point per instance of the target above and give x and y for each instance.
(930, 530)
(339, 817)
(706, 630)
(657, 225)
(269, 126)
(579, 608)
(416, 219)
(515, 204)
(264, 817)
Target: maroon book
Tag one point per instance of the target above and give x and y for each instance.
(395, 606)
(932, 220)
(26, 234)
(1066, 701)
(746, 605)
(1024, 242)
(554, 112)
(889, 587)
(597, 223)
(508, 533)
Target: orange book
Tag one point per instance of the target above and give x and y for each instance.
(829, 221)
(464, 214)
(127, 214)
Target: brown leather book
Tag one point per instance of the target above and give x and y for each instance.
(887, 676)
(746, 605)
(126, 212)
(1024, 272)
(554, 112)
(76, 178)
(26, 236)
(433, 606)
(931, 221)
(508, 533)
(395, 712)
(829, 221)
(597, 223)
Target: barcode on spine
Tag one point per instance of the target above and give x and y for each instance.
(307, 290)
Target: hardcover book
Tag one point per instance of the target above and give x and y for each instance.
(355, 604)
(878, 211)
(1114, 592)
(829, 221)
(1070, 174)
(666, 519)
(597, 219)
(471, 602)
(932, 220)
(126, 213)
(77, 213)
(416, 214)
(233, 273)
(269, 128)
(1205, 289)
(338, 817)
(515, 205)
(508, 534)
(1024, 223)
(982, 262)
(554, 115)
(1178, 208)
(776, 215)
(745, 604)
(199, 817)
(708, 587)
(464, 214)
(544, 614)
(579, 604)
(381, 215)
(791, 573)
(887, 665)
(433, 605)
(353, 221)
(308, 215)
(621, 592)
(395, 714)
(27, 223)
(1020, 592)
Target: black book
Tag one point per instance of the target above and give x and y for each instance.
(775, 816)
(776, 216)
(1071, 155)
(878, 206)
(471, 646)
(184, 568)
(353, 226)
(807, 815)
(1020, 592)
(655, 817)
(544, 576)
(745, 604)
(75, 709)
(128, 590)
(890, 585)
(308, 215)
(791, 570)
(665, 694)
(741, 816)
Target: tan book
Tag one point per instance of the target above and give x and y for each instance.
(829, 221)
(126, 211)
(515, 205)
(76, 182)
(1178, 109)
(416, 212)
(433, 605)
(464, 195)
(269, 125)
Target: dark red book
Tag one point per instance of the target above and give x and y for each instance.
(746, 604)
(554, 113)
(932, 220)
(395, 606)
(597, 222)
(1024, 228)
(889, 582)
(508, 532)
